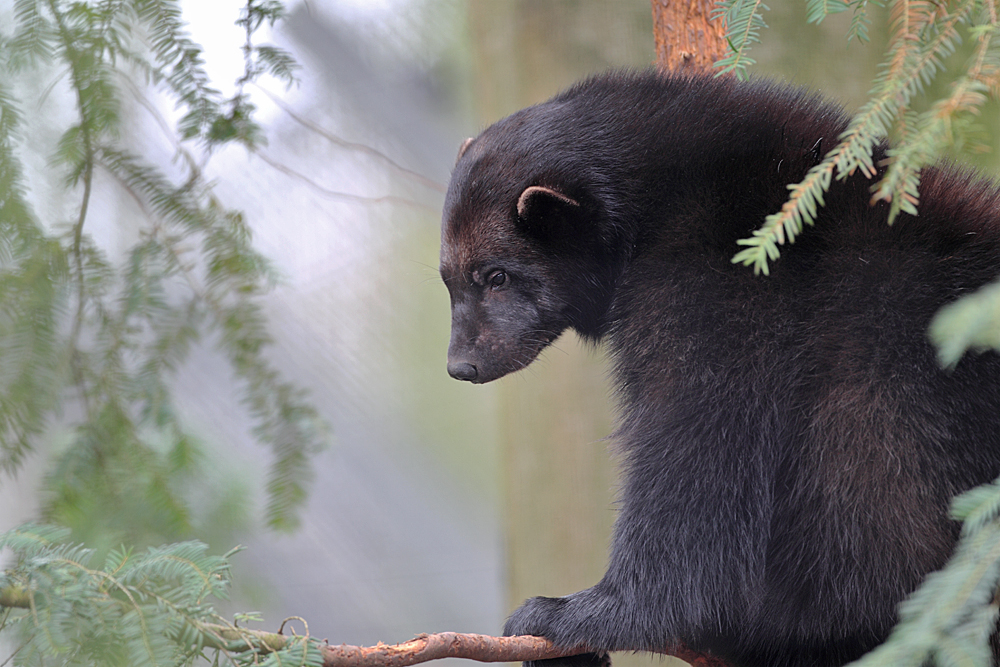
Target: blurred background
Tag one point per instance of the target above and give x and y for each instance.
(438, 505)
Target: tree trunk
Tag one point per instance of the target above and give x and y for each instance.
(686, 37)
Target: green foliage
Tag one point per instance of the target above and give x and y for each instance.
(152, 608)
(84, 333)
(32, 271)
(744, 21)
(949, 619)
(924, 35)
(860, 22)
(971, 323)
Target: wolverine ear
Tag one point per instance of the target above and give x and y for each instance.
(464, 147)
(537, 201)
(544, 212)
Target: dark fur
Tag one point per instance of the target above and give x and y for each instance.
(789, 444)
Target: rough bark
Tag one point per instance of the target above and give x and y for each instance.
(482, 648)
(686, 37)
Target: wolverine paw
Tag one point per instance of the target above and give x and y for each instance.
(539, 617)
(552, 618)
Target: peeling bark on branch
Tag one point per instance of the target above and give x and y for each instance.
(482, 648)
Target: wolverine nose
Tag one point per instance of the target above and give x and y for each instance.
(462, 370)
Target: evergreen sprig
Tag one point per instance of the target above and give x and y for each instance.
(744, 20)
(32, 270)
(860, 21)
(105, 335)
(924, 34)
(63, 603)
(817, 10)
(949, 619)
(971, 323)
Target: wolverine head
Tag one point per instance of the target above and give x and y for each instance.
(519, 250)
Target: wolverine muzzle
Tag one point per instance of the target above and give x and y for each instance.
(463, 370)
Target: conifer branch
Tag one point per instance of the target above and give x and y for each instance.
(284, 420)
(859, 22)
(924, 33)
(86, 123)
(936, 128)
(817, 10)
(75, 321)
(744, 20)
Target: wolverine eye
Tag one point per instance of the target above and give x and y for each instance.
(497, 279)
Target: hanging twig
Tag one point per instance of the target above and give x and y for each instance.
(352, 145)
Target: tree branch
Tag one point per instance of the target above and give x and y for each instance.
(445, 645)
(346, 196)
(423, 648)
(354, 146)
